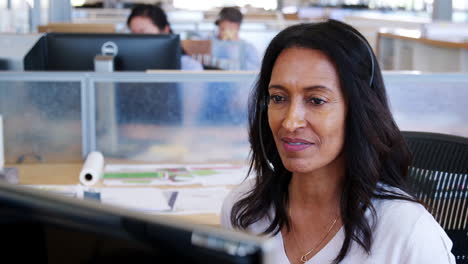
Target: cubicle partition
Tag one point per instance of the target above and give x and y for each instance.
(42, 116)
(181, 117)
(429, 102)
(184, 117)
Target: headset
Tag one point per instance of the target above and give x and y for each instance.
(369, 50)
(266, 100)
(264, 107)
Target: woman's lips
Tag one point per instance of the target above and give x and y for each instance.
(295, 144)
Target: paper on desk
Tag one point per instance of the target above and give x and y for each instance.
(141, 199)
(136, 167)
(9, 175)
(75, 191)
(199, 200)
(174, 174)
(216, 174)
(131, 175)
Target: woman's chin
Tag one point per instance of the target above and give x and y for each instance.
(298, 165)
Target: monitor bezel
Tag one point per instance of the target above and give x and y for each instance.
(122, 223)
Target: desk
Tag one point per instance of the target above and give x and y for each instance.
(67, 173)
(399, 49)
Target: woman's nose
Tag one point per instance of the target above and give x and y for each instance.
(295, 117)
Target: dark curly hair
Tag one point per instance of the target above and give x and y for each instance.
(374, 148)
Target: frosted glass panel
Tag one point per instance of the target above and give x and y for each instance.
(173, 122)
(434, 106)
(187, 117)
(42, 121)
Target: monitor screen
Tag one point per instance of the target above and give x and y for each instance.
(76, 52)
(135, 102)
(50, 228)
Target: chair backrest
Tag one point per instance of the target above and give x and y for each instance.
(438, 176)
(195, 47)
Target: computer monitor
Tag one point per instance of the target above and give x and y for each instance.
(50, 228)
(135, 102)
(76, 52)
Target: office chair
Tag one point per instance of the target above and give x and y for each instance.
(438, 176)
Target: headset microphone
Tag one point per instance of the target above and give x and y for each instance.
(264, 107)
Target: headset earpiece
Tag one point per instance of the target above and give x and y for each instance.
(263, 107)
(264, 103)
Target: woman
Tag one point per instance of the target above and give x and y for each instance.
(329, 160)
(151, 19)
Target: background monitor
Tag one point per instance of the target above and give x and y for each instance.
(147, 103)
(76, 52)
(50, 228)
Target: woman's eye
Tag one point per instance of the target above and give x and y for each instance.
(277, 99)
(317, 101)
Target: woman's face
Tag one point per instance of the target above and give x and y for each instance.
(307, 110)
(143, 25)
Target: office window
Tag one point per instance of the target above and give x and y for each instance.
(15, 19)
(206, 5)
(415, 5)
(77, 2)
(353, 2)
(460, 4)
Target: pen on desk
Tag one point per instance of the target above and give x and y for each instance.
(172, 199)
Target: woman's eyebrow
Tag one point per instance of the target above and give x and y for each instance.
(277, 86)
(307, 89)
(318, 87)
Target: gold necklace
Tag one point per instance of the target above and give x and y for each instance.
(304, 257)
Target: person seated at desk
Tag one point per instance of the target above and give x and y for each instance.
(154, 103)
(151, 19)
(221, 108)
(329, 159)
(229, 22)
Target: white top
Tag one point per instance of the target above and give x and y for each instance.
(405, 233)
(252, 59)
(187, 63)
(242, 51)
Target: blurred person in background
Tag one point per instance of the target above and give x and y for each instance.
(229, 22)
(151, 19)
(156, 103)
